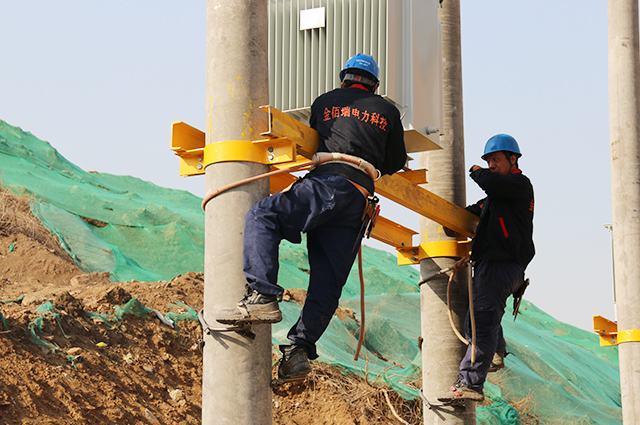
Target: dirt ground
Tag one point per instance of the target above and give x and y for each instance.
(61, 366)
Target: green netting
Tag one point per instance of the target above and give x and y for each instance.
(186, 312)
(46, 310)
(136, 308)
(144, 232)
(17, 300)
(151, 233)
(5, 326)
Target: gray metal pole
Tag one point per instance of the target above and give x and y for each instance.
(442, 351)
(624, 122)
(236, 369)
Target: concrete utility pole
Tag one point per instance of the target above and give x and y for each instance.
(442, 351)
(236, 369)
(624, 122)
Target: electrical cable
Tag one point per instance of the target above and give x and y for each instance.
(361, 337)
(471, 315)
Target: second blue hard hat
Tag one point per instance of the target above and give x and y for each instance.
(363, 62)
(501, 142)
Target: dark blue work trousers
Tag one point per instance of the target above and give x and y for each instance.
(328, 208)
(493, 282)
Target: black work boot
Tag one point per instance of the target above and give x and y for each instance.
(294, 365)
(253, 308)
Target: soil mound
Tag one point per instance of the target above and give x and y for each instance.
(64, 363)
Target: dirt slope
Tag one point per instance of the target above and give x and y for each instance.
(61, 366)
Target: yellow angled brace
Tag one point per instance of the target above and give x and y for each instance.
(427, 204)
(609, 334)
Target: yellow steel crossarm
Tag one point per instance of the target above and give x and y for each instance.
(392, 233)
(610, 335)
(427, 204)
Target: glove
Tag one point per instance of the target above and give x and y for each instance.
(461, 264)
(450, 233)
(474, 168)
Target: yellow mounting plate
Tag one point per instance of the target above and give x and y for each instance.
(413, 255)
(609, 334)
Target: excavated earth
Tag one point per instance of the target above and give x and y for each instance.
(61, 365)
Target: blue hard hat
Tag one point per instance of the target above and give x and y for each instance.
(501, 142)
(363, 62)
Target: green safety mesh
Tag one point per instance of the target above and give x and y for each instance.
(47, 310)
(136, 230)
(5, 326)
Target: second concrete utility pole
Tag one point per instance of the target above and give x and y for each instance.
(441, 349)
(624, 122)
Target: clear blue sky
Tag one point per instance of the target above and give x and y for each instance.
(102, 82)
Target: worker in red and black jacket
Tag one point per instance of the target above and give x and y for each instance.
(328, 205)
(501, 250)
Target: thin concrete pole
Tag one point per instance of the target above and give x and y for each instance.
(236, 369)
(442, 351)
(624, 122)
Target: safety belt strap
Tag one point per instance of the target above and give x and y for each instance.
(354, 161)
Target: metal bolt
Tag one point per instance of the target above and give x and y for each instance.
(271, 157)
(199, 159)
(270, 149)
(199, 166)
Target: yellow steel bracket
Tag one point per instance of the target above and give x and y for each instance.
(189, 144)
(282, 126)
(285, 138)
(609, 334)
(413, 254)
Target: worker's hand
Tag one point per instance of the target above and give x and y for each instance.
(450, 233)
(474, 168)
(461, 264)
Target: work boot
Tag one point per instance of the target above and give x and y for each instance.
(253, 308)
(459, 391)
(498, 361)
(294, 365)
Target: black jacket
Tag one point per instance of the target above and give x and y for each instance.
(357, 122)
(505, 229)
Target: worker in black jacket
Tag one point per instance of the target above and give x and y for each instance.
(501, 250)
(328, 205)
